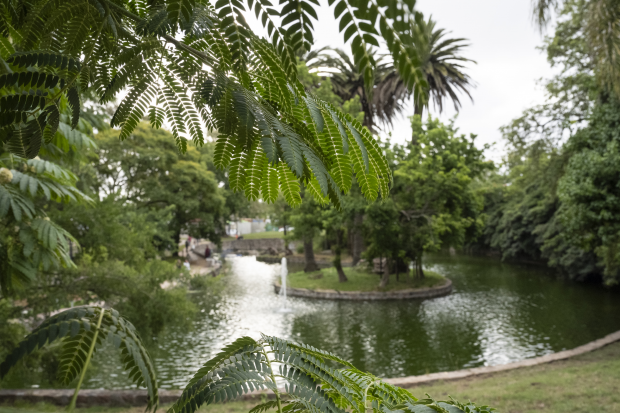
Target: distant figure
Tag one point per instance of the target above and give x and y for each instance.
(186, 265)
(240, 237)
(208, 252)
(187, 246)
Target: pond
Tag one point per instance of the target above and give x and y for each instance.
(498, 313)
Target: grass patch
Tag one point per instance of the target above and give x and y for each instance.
(587, 383)
(359, 280)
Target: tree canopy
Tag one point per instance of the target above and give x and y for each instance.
(147, 170)
(196, 67)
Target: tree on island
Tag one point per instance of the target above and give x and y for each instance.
(434, 202)
(307, 221)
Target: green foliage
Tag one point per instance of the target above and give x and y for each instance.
(147, 171)
(556, 200)
(597, 27)
(441, 65)
(307, 219)
(78, 329)
(220, 75)
(435, 203)
(29, 240)
(314, 381)
(588, 191)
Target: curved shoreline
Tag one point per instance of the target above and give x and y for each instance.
(124, 398)
(408, 294)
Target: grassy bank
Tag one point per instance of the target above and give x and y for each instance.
(359, 280)
(586, 383)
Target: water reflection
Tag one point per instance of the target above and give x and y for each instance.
(497, 314)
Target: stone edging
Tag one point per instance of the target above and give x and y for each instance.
(411, 381)
(122, 398)
(408, 294)
(292, 259)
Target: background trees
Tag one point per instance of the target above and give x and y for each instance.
(308, 222)
(555, 205)
(433, 190)
(147, 170)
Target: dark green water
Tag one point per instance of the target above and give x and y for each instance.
(498, 313)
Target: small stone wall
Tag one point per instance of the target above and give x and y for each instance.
(98, 397)
(254, 246)
(408, 294)
(86, 398)
(123, 398)
(296, 259)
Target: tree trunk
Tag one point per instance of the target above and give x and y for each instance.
(419, 271)
(385, 278)
(418, 109)
(177, 240)
(397, 268)
(342, 277)
(358, 239)
(311, 265)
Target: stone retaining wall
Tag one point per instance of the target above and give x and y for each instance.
(408, 294)
(293, 259)
(86, 398)
(412, 381)
(255, 246)
(122, 398)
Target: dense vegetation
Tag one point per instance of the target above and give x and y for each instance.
(553, 200)
(86, 217)
(557, 203)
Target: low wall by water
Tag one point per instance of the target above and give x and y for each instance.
(124, 398)
(407, 294)
(296, 259)
(254, 245)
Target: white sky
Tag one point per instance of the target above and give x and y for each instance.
(503, 43)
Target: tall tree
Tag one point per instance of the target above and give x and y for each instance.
(386, 101)
(599, 26)
(433, 190)
(348, 83)
(589, 191)
(441, 64)
(307, 221)
(147, 170)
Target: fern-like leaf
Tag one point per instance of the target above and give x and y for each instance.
(76, 328)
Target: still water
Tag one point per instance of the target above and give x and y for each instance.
(497, 313)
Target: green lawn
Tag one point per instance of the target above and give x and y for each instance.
(587, 383)
(359, 280)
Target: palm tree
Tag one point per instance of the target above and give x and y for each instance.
(388, 94)
(441, 63)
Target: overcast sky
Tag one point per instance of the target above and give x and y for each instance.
(503, 43)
